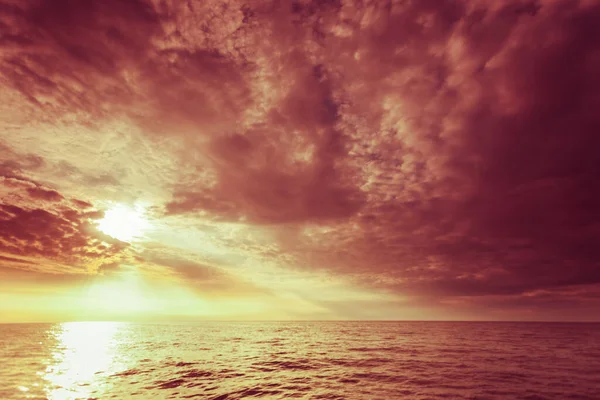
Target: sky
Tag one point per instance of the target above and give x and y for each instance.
(351, 159)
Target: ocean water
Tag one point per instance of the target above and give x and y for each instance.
(303, 360)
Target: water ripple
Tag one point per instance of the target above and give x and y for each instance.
(310, 360)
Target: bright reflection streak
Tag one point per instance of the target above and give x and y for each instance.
(85, 351)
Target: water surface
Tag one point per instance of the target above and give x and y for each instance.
(305, 360)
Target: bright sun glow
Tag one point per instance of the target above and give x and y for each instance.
(123, 223)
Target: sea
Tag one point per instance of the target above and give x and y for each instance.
(300, 360)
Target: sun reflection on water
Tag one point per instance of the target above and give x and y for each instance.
(85, 352)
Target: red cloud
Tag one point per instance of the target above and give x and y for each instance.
(288, 168)
(44, 194)
(451, 146)
(83, 42)
(66, 236)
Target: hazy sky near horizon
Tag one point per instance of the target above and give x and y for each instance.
(344, 159)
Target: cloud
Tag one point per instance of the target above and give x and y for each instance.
(437, 149)
(500, 200)
(54, 50)
(284, 169)
(38, 226)
(13, 165)
(33, 190)
(478, 164)
(201, 94)
(44, 194)
(14, 260)
(67, 235)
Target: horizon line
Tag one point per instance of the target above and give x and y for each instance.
(165, 322)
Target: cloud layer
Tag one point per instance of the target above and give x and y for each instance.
(441, 150)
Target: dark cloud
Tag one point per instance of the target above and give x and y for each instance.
(69, 55)
(30, 188)
(484, 184)
(44, 194)
(66, 236)
(285, 169)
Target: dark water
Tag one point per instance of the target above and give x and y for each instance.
(305, 360)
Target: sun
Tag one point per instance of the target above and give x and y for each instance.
(123, 223)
